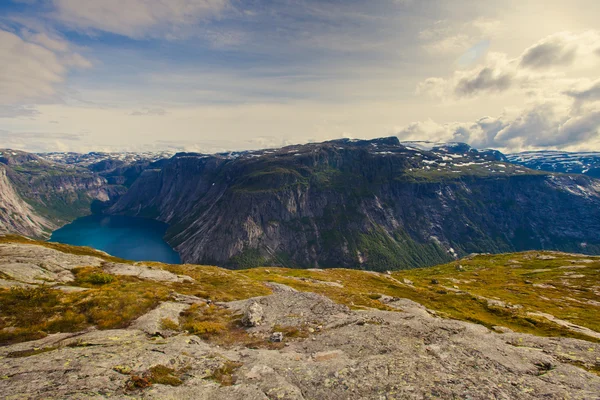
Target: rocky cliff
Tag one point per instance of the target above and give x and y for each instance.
(374, 205)
(39, 196)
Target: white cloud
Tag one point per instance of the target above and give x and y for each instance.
(149, 112)
(137, 18)
(38, 141)
(447, 38)
(543, 125)
(586, 94)
(31, 67)
(561, 49)
(553, 57)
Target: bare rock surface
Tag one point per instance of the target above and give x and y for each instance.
(407, 354)
(37, 264)
(23, 264)
(145, 272)
(151, 323)
(301, 309)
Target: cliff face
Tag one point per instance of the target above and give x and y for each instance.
(15, 214)
(362, 204)
(38, 196)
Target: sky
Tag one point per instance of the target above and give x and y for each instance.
(217, 75)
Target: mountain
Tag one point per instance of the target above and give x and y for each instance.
(364, 204)
(587, 163)
(76, 323)
(37, 196)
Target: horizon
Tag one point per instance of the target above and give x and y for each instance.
(225, 75)
(226, 151)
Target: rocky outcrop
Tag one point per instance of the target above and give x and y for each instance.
(374, 205)
(358, 354)
(33, 264)
(306, 345)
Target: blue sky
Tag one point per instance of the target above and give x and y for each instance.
(213, 75)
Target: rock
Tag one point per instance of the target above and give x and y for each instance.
(387, 299)
(151, 323)
(276, 337)
(33, 264)
(407, 281)
(187, 299)
(259, 371)
(435, 282)
(145, 272)
(253, 315)
(293, 309)
(407, 354)
(460, 268)
(327, 355)
(280, 287)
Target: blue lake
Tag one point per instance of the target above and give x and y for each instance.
(132, 238)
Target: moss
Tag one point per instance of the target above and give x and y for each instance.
(169, 324)
(291, 331)
(18, 335)
(100, 278)
(136, 382)
(30, 352)
(225, 373)
(163, 375)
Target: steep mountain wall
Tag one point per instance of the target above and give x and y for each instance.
(39, 196)
(368, 204)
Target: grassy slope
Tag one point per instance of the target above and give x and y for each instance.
(461, 292)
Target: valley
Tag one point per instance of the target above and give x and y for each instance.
(371, 204)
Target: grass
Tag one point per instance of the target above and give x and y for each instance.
(484, 277)
(491, 290)
(220, 326)
(100, 278)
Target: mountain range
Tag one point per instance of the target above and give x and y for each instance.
(365, 204)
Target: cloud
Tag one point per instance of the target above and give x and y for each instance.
(546, 125)
(444, 37)
(18, 111)
(39, 141)
(560, 49)
(149, 112)
(487, 79)
(137, 18)
(554, 51)
(499, 72)
(7, 135)
(33, 65)
(591, 93)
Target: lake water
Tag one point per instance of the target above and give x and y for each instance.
(132, 238)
